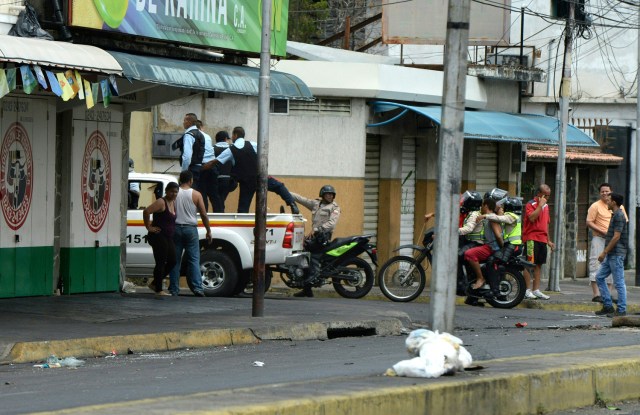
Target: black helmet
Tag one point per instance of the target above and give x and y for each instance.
(496, 194)
(470, 201)
(511, 204)
(327, 188)
(130, 163)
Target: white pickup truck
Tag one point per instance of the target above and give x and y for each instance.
(227, 263)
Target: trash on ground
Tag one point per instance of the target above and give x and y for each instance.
(522, 324)
(53, 362)
(258, 363)
(128, 287)
(435, 354)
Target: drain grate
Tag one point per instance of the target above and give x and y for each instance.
(334, 333)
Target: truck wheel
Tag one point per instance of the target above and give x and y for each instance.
(219, 274)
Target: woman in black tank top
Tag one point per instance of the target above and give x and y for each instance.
(160, 235)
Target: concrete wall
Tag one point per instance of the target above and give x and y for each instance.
(306, 151)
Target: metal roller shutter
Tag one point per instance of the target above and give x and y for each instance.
(486, 166)
(408, 201)
(371, 182)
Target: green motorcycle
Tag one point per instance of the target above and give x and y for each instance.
(338, 263)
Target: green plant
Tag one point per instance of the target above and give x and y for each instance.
(600, 400)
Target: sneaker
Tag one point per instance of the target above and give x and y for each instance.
(604, 311)
(617, 314)
(540, 295)
(597, 299)
(529, 295)
(198, 293)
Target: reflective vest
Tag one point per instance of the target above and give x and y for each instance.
(476, 235)
(513, 235)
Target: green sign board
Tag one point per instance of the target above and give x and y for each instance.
(224, 24)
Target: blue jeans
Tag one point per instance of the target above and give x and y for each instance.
(186, 239)
(614, 265)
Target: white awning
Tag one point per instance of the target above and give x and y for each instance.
(50, 53)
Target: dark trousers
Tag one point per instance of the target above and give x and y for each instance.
(226, 185)
(247, 190)
(164, 253)
(276, 186)
(209, 183)
(197, 179)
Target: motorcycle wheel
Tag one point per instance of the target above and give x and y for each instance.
(512, 289)
(397, 284)
(347, 289)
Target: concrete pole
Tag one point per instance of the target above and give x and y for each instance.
(260, 231)
(637, 167)
(557, 270)
(443, 281)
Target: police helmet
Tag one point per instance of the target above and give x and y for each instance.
(327, 188)
(470, 201)
(496, 194)
(511, 204)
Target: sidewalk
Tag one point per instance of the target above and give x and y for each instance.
(98, 324)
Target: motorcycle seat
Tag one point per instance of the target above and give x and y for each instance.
(340, 241)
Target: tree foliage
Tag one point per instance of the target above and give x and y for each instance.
(305, 20)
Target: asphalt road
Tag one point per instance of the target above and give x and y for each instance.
(488, 333)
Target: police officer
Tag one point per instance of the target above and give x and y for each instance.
(325, 213)
(192, 149)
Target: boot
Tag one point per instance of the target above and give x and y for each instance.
(294, 208)
(305, 292)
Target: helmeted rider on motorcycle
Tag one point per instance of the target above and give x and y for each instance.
(325, 213)
(470, 232)
(511, 221)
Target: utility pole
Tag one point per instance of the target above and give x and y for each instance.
(443, 285)
(260, 230)
(561, 182)
(637, 164)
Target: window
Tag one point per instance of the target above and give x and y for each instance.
(143, 193)
(279, 106)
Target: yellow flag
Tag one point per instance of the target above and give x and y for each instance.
(89, 95)
(71, 80)
(67, 91)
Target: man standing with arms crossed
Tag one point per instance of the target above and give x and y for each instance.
(612, 259)
(535, 236)
(185, 237)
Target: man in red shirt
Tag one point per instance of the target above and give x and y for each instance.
(535, 235)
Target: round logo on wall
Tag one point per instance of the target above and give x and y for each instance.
(96, 181)
(16, 176)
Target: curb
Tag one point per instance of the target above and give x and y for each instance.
(582, 307)
(25, 352)
(505, 387)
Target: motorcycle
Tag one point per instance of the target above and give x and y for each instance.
(338, 263)
(402, 278)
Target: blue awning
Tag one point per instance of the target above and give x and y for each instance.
(498, 126)
(209, 76)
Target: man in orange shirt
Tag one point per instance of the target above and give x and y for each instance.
(598, 218)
